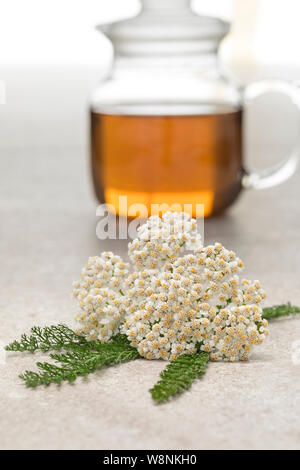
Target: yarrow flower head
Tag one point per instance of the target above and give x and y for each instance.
(162, 239)
(99, 294)
(170, 304)
(198, 302)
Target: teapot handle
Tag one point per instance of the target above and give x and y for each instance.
(283, 171)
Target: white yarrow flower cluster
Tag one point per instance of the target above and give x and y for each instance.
(99, 294)
(197, 302)
(173, 305)
(162, 239)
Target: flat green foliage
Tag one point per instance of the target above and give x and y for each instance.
(78, 357)
(179, 376)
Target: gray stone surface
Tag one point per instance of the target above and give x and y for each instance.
(47, 231)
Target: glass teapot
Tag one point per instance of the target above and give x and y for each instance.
(166, 126)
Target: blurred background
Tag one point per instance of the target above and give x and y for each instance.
(51, 58)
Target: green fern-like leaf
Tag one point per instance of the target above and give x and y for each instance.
(49, 338)
(78, 357)
(77, 364)
(179, 375)
(278, 311)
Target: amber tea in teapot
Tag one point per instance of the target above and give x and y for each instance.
(189, 158)
(166, 126)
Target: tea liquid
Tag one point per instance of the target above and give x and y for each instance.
(191, 155)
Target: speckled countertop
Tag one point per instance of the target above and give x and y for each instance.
(47, 231)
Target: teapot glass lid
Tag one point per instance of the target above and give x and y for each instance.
(166, 26)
